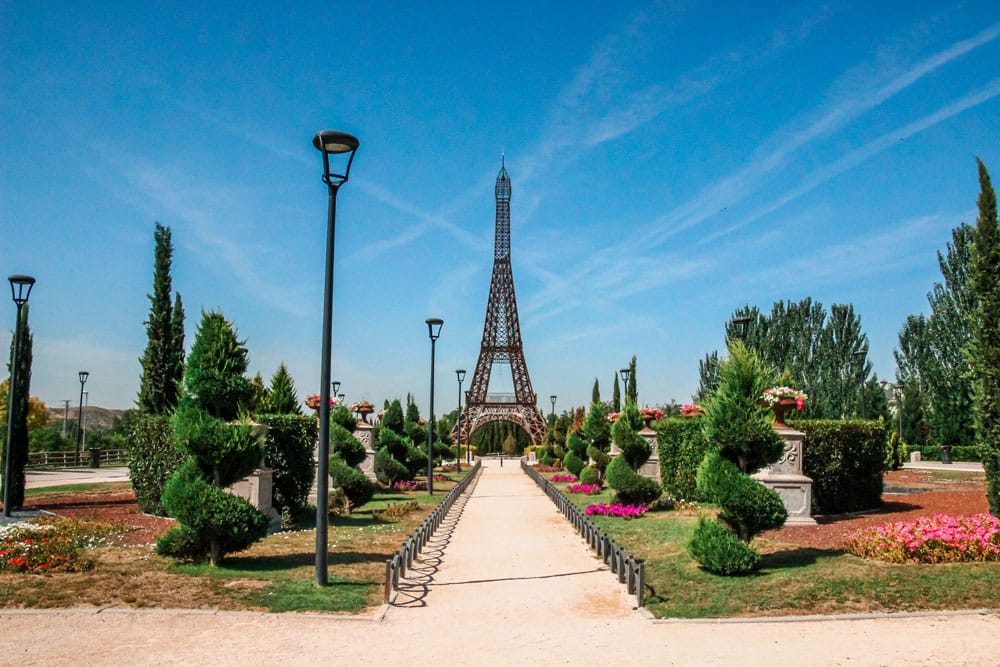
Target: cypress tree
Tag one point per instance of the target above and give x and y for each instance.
(985, 325)
(632, 391)
(162, 362)
(616, 396)
(595, 392)
(19, 424)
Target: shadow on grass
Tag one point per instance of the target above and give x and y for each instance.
(794, 558)
(297, 560)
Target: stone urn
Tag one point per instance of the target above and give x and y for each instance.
(780, 408)
(363, 409)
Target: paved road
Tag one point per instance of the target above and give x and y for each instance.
(505, 581)
(65, 476)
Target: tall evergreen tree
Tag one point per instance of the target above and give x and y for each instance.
(912, 361)
(281, 398)
(616, 396)
(18, 444)
(984, 350)
(707, 377)
(632, 391)
(595, 392)
(162, 362)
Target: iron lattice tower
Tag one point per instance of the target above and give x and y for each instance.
(501, 343)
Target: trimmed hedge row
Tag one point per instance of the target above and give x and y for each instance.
(288, 451)
(845, 460)
(958, 453)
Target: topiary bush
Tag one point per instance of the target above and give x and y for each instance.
(288, 452)
(590, 475)
(355, 484)
(742, 441)
(213, 522)
(845, 460)
(575, 458)
(630, 487)
(151, 458)
(682, 447)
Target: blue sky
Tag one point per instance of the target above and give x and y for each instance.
(669, 163)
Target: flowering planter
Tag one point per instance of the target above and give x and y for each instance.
(780, 408)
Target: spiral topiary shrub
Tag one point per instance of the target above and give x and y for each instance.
(590, 475)
(741, 441)
(630, 487)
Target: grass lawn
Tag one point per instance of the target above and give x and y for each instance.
(792, 580)
(275, 574)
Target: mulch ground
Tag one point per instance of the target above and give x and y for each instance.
(908, 495)
(117, 507)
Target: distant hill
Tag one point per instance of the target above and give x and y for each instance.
(97, 418)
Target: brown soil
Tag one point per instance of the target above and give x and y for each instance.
(117, 507)
(907, 495)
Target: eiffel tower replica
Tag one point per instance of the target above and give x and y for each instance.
(501, 344)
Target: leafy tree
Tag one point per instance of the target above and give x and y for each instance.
(281, 398)
(162, 362)
(984, 348)
(258, 395)
(38, 412)
(19, 414)
(741, 441)
(212, 521)
(912, 361)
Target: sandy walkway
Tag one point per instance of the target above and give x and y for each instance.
(506, 581)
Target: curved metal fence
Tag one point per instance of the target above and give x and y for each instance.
(629, 570)
(396, 566)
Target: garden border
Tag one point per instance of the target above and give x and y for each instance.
(396, 566)
(629, 570)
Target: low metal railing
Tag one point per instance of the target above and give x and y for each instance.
(396, 567)
(629, 570)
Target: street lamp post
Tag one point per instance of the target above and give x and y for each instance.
(83, 375)
(83, 423)
(20, 289)
(625, 373)
(434, 325)
(336, 388)
(460, 374)
(328, 142)
(553, 399)
(741, 327)
(860, 356)
(898, 391)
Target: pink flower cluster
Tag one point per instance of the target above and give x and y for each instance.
(409, 485)
(588, 489)
(563, 478)
(936, 539)
(617, 509)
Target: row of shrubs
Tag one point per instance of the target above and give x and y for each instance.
(845, 460)
(958, 453)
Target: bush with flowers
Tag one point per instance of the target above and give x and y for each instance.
(586, 489)
(563, 478)
(50, 545)
(616, 509)
(938, 539)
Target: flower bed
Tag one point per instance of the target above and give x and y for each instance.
(563, 478)
(49, 545)
(587, 489)
(617, 509)
(409, 485)
(938, 539)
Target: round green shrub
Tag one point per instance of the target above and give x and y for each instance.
(573, 463)
(720, 550)
(355, 484)
(630, 487)
(589, 475)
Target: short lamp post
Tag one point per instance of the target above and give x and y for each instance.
(434, 325)
(83, 375)
(20, 289)
(328, 142)
(460, 374)
(860, 356)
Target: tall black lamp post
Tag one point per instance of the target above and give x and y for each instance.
(460, 374)
(336, 388)
(553, 399)
(741, 327)
(625, 372)
(20, 289)
(83, 375)
(434, 325)
(328, 142)
(860, 356)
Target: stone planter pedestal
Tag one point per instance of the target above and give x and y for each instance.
(651, 468)
(256, 489)
(365, 433)
(785, 476)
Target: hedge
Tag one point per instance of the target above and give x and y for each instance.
(682, 447)
(151, 458)
(958, 452)
(288, 451)
(845, 460)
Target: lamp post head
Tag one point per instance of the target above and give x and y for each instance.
(336, 387)
(20, 288)
(741, 327)
(332, 142)
(625, 372)
(434, 325)
(83, 376)
(553, 399)
(460, 374)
